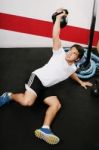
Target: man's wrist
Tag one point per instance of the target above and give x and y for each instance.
(80, 82)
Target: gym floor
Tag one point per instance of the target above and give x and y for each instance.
(77, 123)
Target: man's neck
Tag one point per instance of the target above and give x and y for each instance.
(70, 62)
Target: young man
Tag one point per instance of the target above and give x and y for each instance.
(59, 67)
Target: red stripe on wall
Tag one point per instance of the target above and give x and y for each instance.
(44, 28)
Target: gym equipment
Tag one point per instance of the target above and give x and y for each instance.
(63, 22)
(95, 89)
(88, 68)
(92, 28)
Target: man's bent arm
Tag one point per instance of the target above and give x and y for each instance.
(76, 78)
(82, 83)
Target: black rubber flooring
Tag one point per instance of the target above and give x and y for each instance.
(77, 123)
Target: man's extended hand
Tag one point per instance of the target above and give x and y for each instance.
(85, 84)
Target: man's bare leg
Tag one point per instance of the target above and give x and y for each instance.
(45, 132)
(25, 99)
(54, 106)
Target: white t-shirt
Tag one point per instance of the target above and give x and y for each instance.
(56, 70)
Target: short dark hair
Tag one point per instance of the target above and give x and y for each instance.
(80, 50)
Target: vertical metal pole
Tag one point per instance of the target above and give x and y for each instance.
(92, 28)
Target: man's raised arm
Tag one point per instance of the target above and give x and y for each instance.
(56, 31)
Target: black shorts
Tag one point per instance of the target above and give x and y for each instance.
(35, 84)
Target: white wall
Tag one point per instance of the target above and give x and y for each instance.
(80, 13)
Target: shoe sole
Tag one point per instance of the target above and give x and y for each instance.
(50, 139)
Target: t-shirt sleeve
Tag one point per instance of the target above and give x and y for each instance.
(59, 51)
(75, 68)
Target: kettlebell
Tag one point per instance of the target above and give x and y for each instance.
(95, 89)
(63, 22)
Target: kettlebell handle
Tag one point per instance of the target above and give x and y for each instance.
(63, 22)
(58, 13)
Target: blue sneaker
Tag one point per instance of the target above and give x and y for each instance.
(47, 135)
(4, 98)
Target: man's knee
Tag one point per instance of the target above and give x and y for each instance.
(57, 105)
(53, 102)
(27, 102)
(29, 99)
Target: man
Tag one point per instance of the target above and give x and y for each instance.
(59, 67)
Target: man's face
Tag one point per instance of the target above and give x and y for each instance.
(72, 55)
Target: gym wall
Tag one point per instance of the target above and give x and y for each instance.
(28, 23)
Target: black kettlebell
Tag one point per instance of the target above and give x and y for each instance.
(63, 22)
(95, 89)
